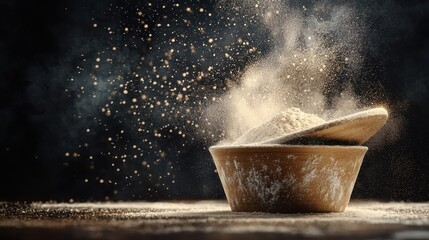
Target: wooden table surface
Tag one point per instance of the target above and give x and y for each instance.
(208, 220)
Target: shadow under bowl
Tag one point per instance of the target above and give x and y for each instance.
(288, 178)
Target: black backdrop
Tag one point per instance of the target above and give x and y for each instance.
(37, 36)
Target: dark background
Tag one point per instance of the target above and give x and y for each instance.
(41, 45)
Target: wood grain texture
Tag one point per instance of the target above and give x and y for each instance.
(208, 220)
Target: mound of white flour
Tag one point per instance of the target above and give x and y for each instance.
(286, 122)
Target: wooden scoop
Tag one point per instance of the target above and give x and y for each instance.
(354, 129)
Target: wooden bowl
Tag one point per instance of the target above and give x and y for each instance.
(288, 178)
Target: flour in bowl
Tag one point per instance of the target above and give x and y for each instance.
(286, 122)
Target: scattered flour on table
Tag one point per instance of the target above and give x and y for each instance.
(286, 122)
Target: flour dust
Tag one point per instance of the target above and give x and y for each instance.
(314, 59)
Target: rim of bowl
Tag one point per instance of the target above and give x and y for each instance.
(282, 146)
